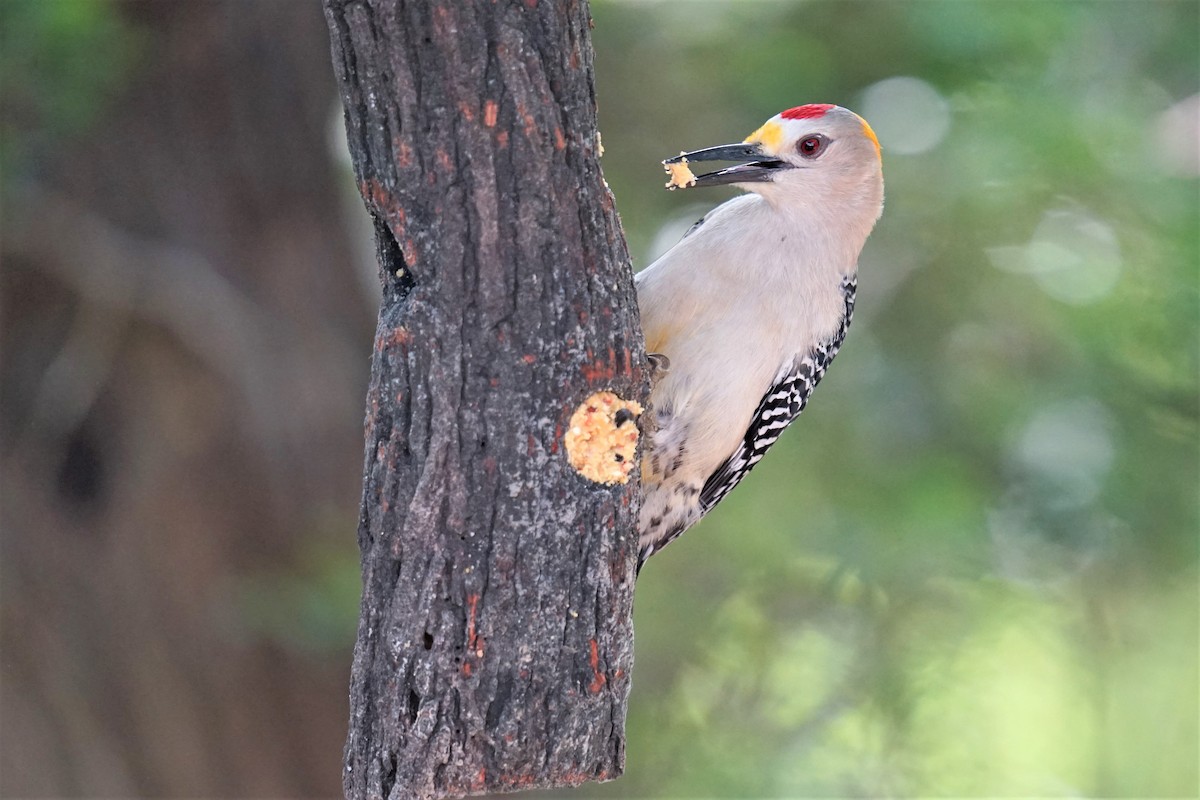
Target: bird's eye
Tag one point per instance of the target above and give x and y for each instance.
(811, 146)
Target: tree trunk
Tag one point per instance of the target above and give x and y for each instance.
(495, 640)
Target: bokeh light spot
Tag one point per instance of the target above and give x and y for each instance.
(1073, 256)
(908, 114)
(1177, 136)
(1069, 443)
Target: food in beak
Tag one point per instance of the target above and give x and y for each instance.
(680, 172)
(754, 169)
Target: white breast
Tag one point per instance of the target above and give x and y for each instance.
(729, 305)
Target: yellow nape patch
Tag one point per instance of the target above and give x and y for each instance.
(870, 134)
(769, 136)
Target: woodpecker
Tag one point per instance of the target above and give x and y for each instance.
(743, 316)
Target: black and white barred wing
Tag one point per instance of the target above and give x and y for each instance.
(782, 403)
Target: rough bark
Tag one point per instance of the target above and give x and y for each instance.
(495, 640)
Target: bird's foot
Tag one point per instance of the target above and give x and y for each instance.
(660, 365)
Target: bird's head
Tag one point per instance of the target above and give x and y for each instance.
(799, 155)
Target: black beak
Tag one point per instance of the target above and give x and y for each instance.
(757, 166)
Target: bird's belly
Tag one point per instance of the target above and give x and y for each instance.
(705, 402)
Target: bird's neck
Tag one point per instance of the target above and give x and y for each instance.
(820, 233)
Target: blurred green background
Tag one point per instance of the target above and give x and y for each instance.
(969, 570)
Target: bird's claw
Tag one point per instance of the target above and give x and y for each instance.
(660, 365)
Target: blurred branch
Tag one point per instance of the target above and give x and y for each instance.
(73, 381)
(136, 278)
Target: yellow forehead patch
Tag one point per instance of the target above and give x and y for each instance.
(870, 134)
(769, 136)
